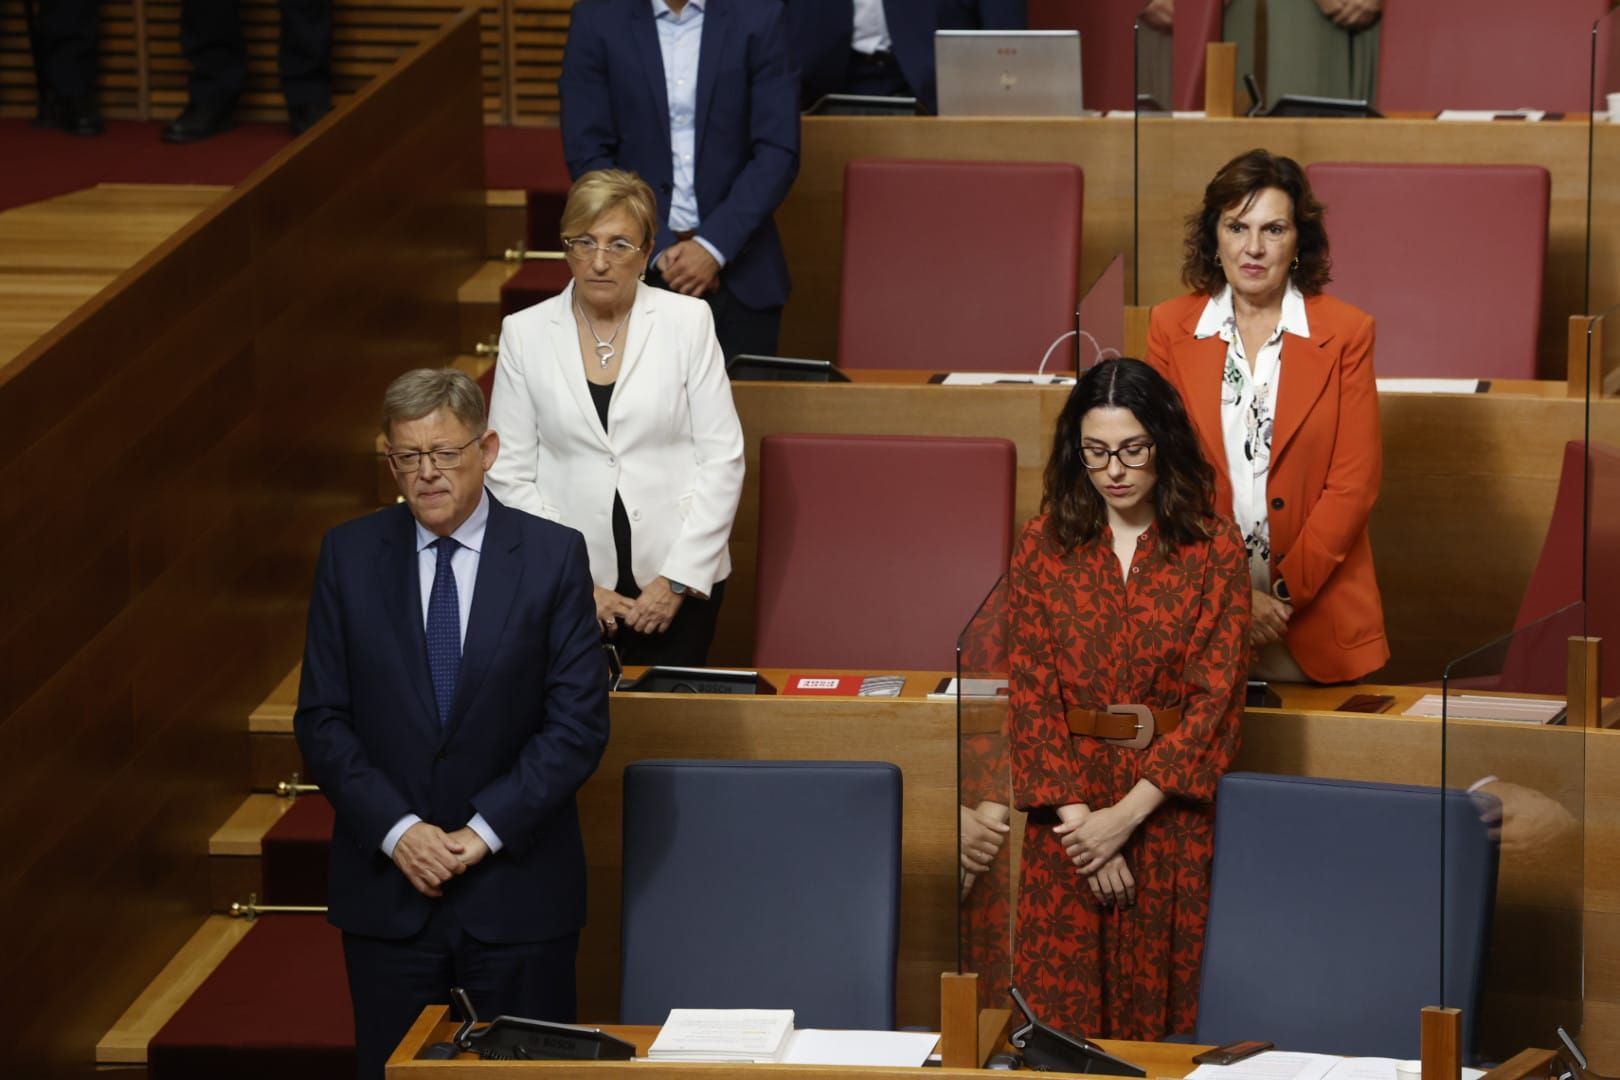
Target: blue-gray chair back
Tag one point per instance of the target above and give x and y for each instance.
(761, 884)
(1327, 914)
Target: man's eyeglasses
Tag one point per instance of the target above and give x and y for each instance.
(584, 249)
(1132, 456)
(449, 457)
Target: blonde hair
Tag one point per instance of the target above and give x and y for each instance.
(603, 190)
(416, 393)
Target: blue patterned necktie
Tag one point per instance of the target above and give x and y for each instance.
(444, 629)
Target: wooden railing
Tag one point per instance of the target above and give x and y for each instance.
(175, 449)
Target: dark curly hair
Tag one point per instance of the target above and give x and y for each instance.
(1237, 184)
(1183, 497)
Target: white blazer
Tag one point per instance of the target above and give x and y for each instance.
(673, 447)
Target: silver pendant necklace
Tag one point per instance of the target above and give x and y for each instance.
(604, 349)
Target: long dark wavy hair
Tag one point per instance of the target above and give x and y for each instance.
(1183, 497)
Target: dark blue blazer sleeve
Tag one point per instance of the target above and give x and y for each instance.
(572, 731)
(360, 793)
(590, 133)
(773, 134)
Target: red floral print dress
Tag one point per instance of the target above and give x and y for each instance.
(1172, 631)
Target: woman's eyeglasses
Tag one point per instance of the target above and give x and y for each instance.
(1132, 456)
(584, 248)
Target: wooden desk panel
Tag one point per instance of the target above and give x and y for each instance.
(1468, 488)
(1177, 158)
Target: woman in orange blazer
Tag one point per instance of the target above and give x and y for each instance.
(1278, 380)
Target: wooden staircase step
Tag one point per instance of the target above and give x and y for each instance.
(126, 1042)
(479, 301)
(243, 833)
(506, 220)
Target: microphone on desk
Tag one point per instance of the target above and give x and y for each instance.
(462, 1004)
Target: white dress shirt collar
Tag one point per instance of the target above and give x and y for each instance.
(1218, 314)
(469, 534)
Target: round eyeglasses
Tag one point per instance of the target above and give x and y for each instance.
(584, 249)
(1132, 456)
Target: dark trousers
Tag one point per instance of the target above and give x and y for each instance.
(211, 38)
(876, 75)
(65, 44)
(686, 642)
(391, 982)
(742, 330)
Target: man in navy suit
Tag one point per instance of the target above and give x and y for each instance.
(700, 99)
(454, 698)
(883, 47)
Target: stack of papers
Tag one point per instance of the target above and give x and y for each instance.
(738, 1036)
(1519, 710)
(1282, 1065)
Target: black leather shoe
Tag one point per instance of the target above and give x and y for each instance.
(76, 116)
(199, 122)
(300, 118)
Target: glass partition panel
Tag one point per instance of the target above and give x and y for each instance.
(1294, 51)
(1512, 828)
(1603, 192)
(991, 832)
(1100, 320)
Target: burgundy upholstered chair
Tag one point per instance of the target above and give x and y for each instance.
(1107, 67)
(1107, 51)
(1589, 487)
(1486, 54)
(958, 265)
(875, 550)
(1448, 259)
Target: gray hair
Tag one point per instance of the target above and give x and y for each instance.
(416, 393)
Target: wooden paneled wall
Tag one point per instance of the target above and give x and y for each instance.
(143, 74)
(176, 448)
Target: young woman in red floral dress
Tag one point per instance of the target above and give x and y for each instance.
(1127, 590)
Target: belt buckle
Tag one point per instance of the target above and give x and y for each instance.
(1144, 726)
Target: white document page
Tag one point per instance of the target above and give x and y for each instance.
(1271, 1065)
(897, 1049)
(723, 1035)
(1428, 386)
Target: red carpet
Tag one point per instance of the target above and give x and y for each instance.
(277, 1007)
(41, 164)
(295, 852)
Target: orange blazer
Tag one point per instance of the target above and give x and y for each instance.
(1326, 463)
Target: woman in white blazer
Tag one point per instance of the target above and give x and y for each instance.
(616, 419)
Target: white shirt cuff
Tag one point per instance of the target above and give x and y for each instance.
(485, 833)
(1481, 782)
(712, 250)
(392, 839)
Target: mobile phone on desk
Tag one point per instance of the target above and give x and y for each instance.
(1366, 703)
(1231, 1053)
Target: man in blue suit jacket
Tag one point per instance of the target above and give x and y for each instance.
(453, 700)
(883, 46)
(699, 98)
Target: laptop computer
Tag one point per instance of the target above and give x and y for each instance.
(1008, 72)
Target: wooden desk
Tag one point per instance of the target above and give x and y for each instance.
(1176, 159)
(1558, 902)
(1468, 488)
(434, 1026)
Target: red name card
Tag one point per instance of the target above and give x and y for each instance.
(822, 686)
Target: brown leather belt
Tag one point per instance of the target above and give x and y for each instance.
(1124, 725)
